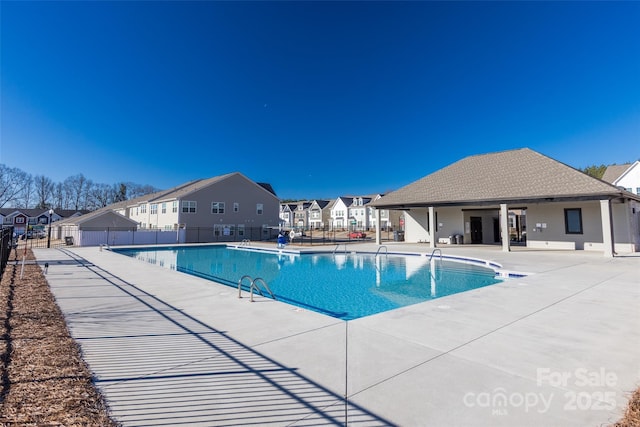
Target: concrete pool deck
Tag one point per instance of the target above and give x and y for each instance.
(558, 347)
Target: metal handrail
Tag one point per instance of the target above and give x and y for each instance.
(240, 284)
(435, 272)
(386, 252)
(245, 242)
(434, 251)
(254, 285)
(338, 245)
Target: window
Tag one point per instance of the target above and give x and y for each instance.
(143, 208)
(217, 207)
(259, 208)
(164, 208)
(638, 191)
(174, 207)
(154, 209)
(240, 229)
(188, 206)
(236, 207)
(223, 230)
(19, 220)
(573, 221)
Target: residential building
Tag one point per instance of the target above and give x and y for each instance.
(319, 214)
(357, 213)
(339, 213)
(286, 214)
(220, 208)
(300, 214)
(294, 214)
(25, 219)
(625, 176)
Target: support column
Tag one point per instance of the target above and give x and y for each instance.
(432, 227)
(504, 226)
(378, 232)
(607, 228)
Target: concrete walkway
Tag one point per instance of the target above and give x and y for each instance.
(559, 347)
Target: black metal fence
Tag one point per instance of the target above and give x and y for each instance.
(313, 236)
(114, 236)
(6, 244)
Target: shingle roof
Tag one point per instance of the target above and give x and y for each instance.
(322, 203)
(521, 174)
(33, 213)
(614, 172)
(267, 187)
(95, 214)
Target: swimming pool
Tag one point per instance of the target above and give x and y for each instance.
(343, 285)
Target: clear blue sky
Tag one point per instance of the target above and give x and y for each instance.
(320, 99)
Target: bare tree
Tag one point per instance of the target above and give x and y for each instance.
(59, 196)
(85, 199)
(137, 190)
(26, 195)
(100, 195)
(75, 188)
(19, 189)
(12, 183)
(44, 191)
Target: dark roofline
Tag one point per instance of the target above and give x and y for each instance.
(267, 187)
(508, 201)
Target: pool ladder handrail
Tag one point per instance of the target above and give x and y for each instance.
(245, 242)
(434, 274)
(434, 251)
(255, 285)
(338, 245)
(386, 252)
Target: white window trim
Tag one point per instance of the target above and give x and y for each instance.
(188, 205)
(219, 206)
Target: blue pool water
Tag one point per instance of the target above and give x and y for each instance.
(346, 285)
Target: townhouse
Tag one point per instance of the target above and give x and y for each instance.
(228, 207)
(625, 176)
(23, 220)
